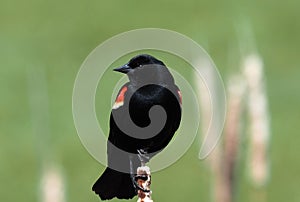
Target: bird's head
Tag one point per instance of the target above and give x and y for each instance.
(145, 68)
(138, 62)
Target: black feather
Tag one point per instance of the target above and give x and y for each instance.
(150, 84)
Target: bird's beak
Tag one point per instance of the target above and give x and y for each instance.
(123, 69)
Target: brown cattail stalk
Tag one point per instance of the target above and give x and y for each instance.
(52, 185)
(144, 171)
(236, 90)
(259, 120)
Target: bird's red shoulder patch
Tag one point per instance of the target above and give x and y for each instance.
(180, 96)
(120, 98)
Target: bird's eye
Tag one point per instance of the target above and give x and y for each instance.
(138, 65)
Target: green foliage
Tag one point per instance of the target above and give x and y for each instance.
(56, 36)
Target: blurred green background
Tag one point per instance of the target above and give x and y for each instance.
(43, 44)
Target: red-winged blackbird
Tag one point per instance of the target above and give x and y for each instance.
(132, 139)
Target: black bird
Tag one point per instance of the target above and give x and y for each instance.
(138, 129)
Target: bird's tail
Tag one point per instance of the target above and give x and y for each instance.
(114, 184)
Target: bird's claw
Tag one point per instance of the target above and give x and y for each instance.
(143, 156)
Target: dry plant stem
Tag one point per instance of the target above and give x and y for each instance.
(259, 120)
(236, 92)
(145, 184)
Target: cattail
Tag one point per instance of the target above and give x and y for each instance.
(259, 120)
(52, 186)
(236, 91)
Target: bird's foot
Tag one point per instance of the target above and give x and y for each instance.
(143, 156)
